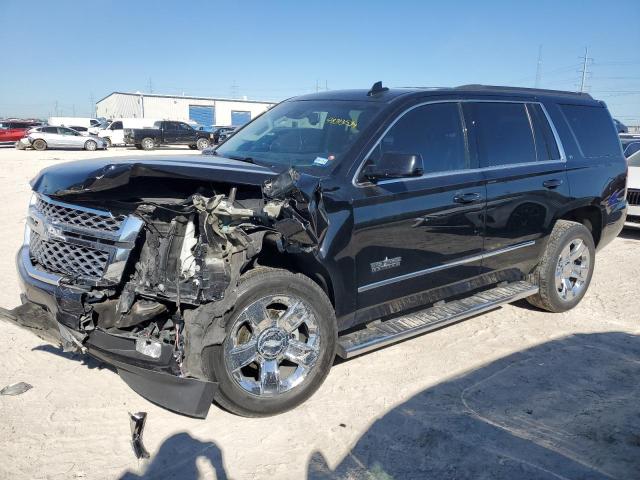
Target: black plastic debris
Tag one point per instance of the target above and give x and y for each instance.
(16, 388)
(137, 421)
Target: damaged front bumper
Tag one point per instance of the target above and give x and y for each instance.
(51, 310)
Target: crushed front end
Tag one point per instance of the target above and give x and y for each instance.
(143, 283)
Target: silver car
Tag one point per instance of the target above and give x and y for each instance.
(42, 138)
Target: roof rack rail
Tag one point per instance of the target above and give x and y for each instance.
(520, 89)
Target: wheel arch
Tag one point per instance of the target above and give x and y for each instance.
(304, 263)
(588, 215)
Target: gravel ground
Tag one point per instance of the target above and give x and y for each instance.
(516, 393)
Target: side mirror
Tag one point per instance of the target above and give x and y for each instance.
(395, 165)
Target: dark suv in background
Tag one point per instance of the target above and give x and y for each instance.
(337, 222)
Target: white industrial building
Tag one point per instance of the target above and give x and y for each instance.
(205, 111)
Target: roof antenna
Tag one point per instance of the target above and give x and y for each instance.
(376, 89)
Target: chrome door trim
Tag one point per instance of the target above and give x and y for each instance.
(562, 159)
(426, 271)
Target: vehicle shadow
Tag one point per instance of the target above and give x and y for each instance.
(564, 409)
(177, 458)
(630, 233)
(85, 360)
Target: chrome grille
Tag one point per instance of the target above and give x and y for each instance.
(633, 197)
(64, 258)
(79, 218)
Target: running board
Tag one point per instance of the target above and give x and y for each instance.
(380, 334)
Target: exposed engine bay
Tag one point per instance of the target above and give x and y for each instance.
(181, 277)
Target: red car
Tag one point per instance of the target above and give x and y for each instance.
(13, 130)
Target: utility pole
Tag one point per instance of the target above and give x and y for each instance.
(326, 85)
(234, 90)
(92, 105)
(150, 85)
(56, 109)
(585, 64)
(73, 110)
(539, 67)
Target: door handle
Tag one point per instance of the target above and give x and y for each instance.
(553, 183)
(466, 197)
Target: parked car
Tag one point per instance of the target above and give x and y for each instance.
(59, 137)
(633, 190)
(338, 222)
(621, 127)
(630, 143)
(167, 133)
(220, 134)
(13, 130)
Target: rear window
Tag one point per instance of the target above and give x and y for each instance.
(593, 129)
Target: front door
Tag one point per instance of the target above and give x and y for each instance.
(526, 180)
(415, 234)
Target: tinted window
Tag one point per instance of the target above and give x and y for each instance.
(432, 131)
(593, 130)
(184, 126)
(116, 126)
(171, 125)
(50, 130)
(546, 146)
(502, 133)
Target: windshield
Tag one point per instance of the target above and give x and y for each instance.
(302, 133)
(634, 160)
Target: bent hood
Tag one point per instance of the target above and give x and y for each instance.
(96, 175)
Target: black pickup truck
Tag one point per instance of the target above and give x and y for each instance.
(335, 223)
(167, 133)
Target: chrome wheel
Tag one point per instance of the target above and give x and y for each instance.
(273, 345)
(148, 144)
(202, 143)
(90, 145)
(572, 269)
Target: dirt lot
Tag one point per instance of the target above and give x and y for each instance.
(516, 393)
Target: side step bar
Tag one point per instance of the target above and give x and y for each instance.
(380, 334)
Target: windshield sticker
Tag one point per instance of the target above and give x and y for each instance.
(320, 161)
(347, 122)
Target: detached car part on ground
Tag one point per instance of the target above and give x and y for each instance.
(238, 276)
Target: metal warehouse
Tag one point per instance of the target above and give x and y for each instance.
(205, 111)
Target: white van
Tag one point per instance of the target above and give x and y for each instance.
(73, 122)
(113, 133)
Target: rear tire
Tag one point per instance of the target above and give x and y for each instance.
(287, 363)
(148, 143)
(90, 145)
(565, 269)
(39, 144)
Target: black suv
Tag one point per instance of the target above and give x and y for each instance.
(338, 222)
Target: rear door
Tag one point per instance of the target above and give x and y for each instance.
(415, 234)
(525, 172)
(171, 134)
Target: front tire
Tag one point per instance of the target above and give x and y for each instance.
(202, 143)
(565, 269)
(148, 143)
(90, 145)
(107, 141)
(279, 347)
(39, 144)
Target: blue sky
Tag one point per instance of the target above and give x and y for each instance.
(71, 51)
